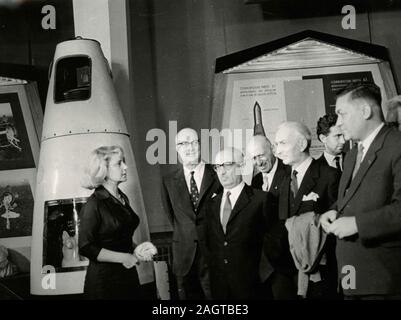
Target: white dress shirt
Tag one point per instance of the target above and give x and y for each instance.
(369, 139)
(270, 176)
(331, 160)
(235, 192)
(301, 170)
(198, 175)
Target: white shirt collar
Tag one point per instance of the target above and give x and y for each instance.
(271, 173)
(301, 169)
(197, 169)
(331, 159)
(234, 193)
(198, 175)
(369, 139)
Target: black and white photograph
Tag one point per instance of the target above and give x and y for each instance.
(207, 151)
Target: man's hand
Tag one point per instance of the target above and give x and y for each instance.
(343, 227)
(327, 218)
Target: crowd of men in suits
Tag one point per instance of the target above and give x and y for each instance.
(326, 228)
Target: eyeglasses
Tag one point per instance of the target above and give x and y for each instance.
(186, 144)
(227, 166)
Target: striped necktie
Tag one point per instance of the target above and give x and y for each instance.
(226, 211)
(294, 183)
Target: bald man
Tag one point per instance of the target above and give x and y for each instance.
(271, 172)
(310, 186)
(270, 169)
(236, 223)
(184, 194)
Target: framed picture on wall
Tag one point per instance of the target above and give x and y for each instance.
(17, 189)
(16, 204)
(15, 149)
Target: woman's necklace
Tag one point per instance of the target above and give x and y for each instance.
(120, 198)
(114, 192)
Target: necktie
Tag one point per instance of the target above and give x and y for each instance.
(358, 160)
(265, 186)
(226, 211)
(294, 183)
(194, 192)
(337, 161)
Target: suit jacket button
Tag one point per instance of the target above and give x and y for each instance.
(225, 261)
(225, 243)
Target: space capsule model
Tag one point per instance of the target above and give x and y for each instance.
(82, 113)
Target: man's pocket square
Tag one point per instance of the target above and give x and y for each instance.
(311, 196)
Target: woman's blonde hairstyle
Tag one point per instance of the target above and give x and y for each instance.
(96, 169)
(392, 110)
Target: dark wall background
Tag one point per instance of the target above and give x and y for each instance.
(26, 49)
(175, 44)
(174, 47)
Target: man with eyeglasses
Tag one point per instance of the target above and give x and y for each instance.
(271, 172)
(236, 223)
(309, 187)
(184, 194)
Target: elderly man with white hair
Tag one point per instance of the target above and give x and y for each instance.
(237, 219)
(270, 174)
(185, 193)
(310, 187)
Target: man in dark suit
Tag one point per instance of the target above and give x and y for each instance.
(309, 186)
(184, 194)
(367, 219)
(332, 138)
(236, 224)
(271, 172)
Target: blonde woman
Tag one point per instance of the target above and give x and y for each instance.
(106, 229)
(393, 117)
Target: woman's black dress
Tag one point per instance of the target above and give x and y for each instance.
(106, 223)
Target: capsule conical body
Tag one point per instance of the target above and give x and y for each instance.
(82, 113)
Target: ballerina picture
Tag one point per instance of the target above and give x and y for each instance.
(8, 202)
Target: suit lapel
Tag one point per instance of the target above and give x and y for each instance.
(307, 184)
(284, 197)
(323, 159)
(242, 201)
(349, 164)
(216, 205)
(278, 176)
(182, 189)
(366, 163)
(207, 181)
(257, 181)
